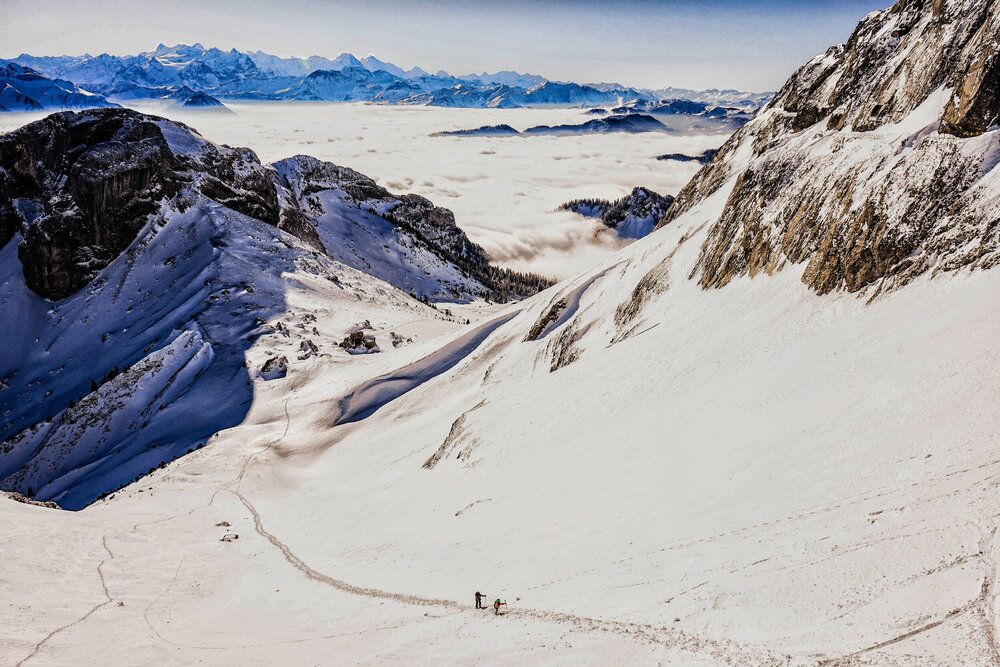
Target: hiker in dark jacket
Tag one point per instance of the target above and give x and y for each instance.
(479, 600)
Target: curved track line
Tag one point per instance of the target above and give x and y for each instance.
(104, 586)
(725, 650)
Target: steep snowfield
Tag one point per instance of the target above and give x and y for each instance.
(186, 375)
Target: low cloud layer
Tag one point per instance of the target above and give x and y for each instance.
(504, 190)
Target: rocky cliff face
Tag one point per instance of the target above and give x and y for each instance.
(874, 163)
(80, 187)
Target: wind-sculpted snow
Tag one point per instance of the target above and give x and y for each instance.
(366, 399)
(115, 380)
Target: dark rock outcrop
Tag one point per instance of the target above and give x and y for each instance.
(80, 187)
(703, 158)
(631, 123)
(484, 131)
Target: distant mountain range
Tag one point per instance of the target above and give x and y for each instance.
(236, 75)
(24, 89)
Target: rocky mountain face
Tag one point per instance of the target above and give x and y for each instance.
(80, 187)
(162, 258)
(873, 164)
(632, 217)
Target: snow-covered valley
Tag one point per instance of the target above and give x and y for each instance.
(763, 434)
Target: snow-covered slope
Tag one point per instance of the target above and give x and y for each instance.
(362, 225)
(646, 471)
(163, 258)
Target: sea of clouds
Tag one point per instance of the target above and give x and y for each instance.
(503, 190)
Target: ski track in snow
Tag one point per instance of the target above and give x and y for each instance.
(104, 586)
(728, 651)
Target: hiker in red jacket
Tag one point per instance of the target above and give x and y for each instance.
(496, 606)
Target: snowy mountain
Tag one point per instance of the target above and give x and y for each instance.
(373, 64)
(404, 240)
(881, 144)
(466, 96)
(506, 78)
(185, 265)
(23, 89)
(568, 94)
(349, 84)
(630, 123)
(257, 75)
(632, 216)
(715, 97)
(764, 434)
(188, 99)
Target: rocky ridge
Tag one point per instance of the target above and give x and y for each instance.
(875, 162)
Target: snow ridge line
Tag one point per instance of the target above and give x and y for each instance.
(104, 586)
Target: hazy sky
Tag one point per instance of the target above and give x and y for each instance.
(748, 44)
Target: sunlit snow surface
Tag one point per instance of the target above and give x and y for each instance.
(503, 190)
(745, 476)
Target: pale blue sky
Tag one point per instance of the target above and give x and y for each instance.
(749, 44)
